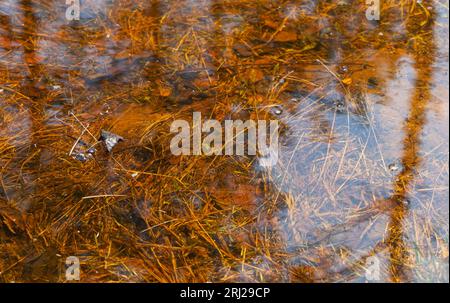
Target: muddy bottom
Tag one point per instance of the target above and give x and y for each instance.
(359, 189)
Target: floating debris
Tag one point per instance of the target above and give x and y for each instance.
(81, 157)
(406, 202)
(110, 139)
(107, 109)
(278, 110)
(394, 167)
(82, 152)
(340, 106)
(91, 150)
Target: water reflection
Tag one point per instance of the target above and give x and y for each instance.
(361, 163)
(413, 129)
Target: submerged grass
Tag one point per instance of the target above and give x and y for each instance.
(360, 174)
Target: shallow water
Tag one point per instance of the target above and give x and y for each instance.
(362, 178)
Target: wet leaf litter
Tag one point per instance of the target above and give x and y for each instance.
(83, 152)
